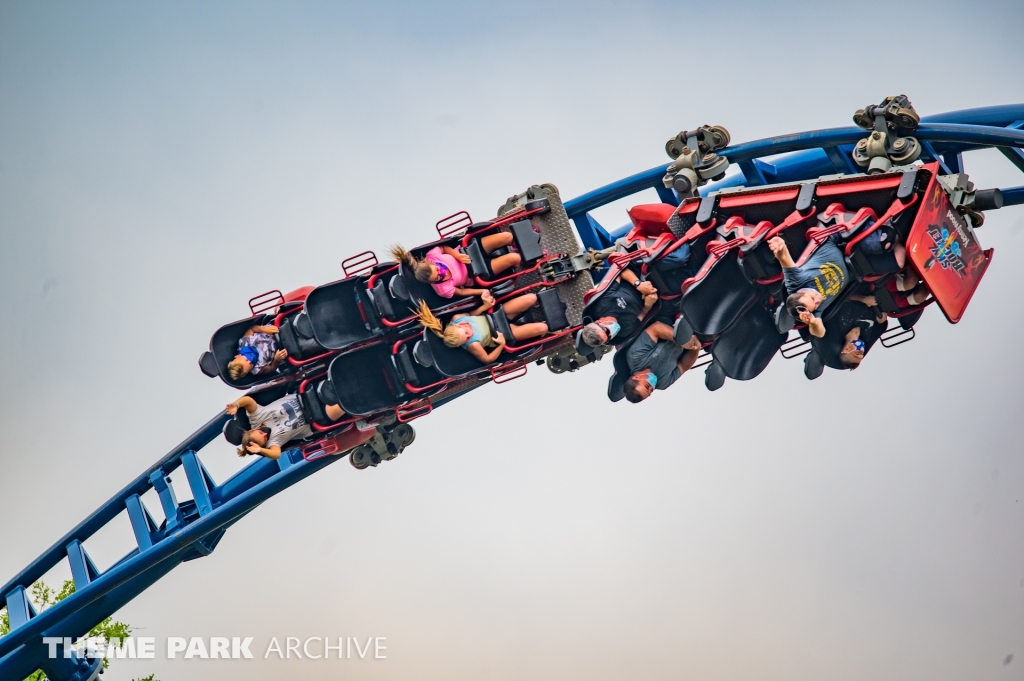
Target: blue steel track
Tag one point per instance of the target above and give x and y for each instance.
(193, 528)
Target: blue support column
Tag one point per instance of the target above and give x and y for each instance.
(928, 154)
(757, 173)
(841, 159)
(666, 195)
(954, 161)
(142, 522)
(19, 608)
(197, 480)
(592, 234)
(83, 570)
(1015, 156)
(168, 500)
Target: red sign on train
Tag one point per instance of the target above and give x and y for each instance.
(945, 251)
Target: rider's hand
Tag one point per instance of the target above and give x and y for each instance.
(777, 245)
(646, 288)
(499, 339)
(870, 301)
(253, 448)
(805, 317)
(651, 299)
(692, 344)
(464, 258)
(232, 408)
(280, 355)
(270, 329)
(486, 297)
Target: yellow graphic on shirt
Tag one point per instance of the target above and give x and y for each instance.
(830, 280)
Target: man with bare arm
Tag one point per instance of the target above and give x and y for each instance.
(657, 361)
(276, 424)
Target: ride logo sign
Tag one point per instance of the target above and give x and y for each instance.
(945, 251)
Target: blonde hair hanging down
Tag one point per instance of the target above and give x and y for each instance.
(420, 268)
(235, 369)
(449, 334)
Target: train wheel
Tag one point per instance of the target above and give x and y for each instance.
(359, 458)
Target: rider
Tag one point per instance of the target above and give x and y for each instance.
(444, 267)
(855, 328)
(657, 361)
(257, 353)
(617, 312)
(276, 424)
(814, 285)
(472, 331)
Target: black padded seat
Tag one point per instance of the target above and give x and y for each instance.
(714, 302)
(296, 334)
(814, 365)
(620, 373)
(553, 309)
(480, 260)
(397, 287)
(908, 321)
(745, 348)
(527, 240)
(208, 364)
(421, 353)
(759, 263)
(581, 346)
(365, 380)
(413, 372)
(862, 265)
(325, 391)
(224, 347)
(500, 324)
(233, 432)
(449, 362)
(383, 301)
(337, 319)
(417, 290)
(313, 407)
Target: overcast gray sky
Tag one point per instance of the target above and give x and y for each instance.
(162, 163)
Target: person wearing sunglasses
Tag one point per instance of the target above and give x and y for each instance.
(444, 267)
(851, 333)
(814, 285)
(617, 312)
(657, 361)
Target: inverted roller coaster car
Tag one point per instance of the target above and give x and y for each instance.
(271, 308)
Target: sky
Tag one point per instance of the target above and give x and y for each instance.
(160, 164)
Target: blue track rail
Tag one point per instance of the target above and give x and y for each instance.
(823, 152)
(193, 528)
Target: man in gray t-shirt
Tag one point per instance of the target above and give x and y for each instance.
(276, 424)
(813, 286)
(657, 361)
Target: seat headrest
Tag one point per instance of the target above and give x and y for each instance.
(397, 287)
(813, 365)
(302, 325)
(581, 346)
(208, 364)
(233, 432)
(783, 320)
(682, 332)
(421, 353)
(651, 218)
(325, 391)
(714, 376)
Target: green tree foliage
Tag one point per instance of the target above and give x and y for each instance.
(43, 597)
